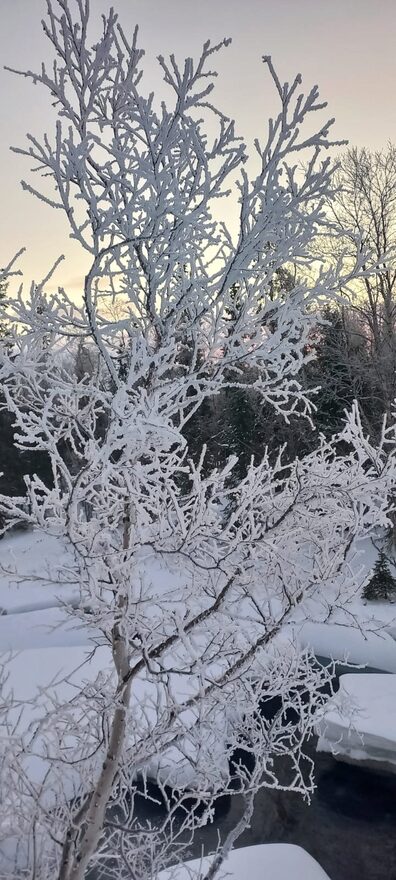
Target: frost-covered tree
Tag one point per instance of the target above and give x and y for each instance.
(186, 575)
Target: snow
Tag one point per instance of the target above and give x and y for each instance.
(56, 648)
(50, 627)
(40, 677)
(351, 631)
(30, 563)
(35, 672)
(359, 722)
(272, 861)
(363, 634)
(349, 644)
(35, 600)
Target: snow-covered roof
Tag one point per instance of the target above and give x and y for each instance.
(359, 722)
(350, 644)
(271, 861)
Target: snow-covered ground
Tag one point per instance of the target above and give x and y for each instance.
(33, 596)
(273, 861)
(50, 653)
(30, 563)
(56, 648)
(359, 722)
(356, 631)
(353, 644)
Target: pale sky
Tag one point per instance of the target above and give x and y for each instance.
(346, 46)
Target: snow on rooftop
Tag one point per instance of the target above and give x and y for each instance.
(271, 861)
(350, 644)
(359, 722)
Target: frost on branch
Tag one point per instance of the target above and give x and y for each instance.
(185, 576)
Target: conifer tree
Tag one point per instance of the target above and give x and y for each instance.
(382, 584)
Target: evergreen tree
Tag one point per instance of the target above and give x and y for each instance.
(382, 584)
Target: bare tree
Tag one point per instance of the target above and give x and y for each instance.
(364, 211)
(186, 578)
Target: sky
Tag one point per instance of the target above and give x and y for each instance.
(346, 46)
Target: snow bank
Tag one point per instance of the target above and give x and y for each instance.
(47, 628)
(42, 677)
(359, 723)
(349, 644)
(29, 573)
(55, 648)
(271, 861)
(55, 658)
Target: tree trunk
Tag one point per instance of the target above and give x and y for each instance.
(83, 839)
